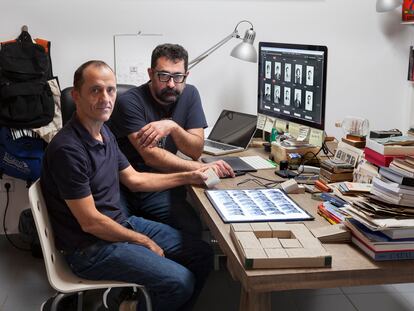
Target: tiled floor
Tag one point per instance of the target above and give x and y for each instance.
(23, 286)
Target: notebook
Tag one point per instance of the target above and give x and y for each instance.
(232, 132)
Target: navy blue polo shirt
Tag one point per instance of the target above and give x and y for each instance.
(137, 107)
(74, 166)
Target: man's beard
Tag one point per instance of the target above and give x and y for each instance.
(168, 96)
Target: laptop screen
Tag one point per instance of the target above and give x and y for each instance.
(234, 128)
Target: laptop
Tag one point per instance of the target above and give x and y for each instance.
(232, 132)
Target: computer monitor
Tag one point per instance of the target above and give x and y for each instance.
(292, 82)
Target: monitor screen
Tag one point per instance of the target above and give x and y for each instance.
(292, 82)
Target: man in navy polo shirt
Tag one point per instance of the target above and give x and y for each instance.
(81, 171)
(154, 121)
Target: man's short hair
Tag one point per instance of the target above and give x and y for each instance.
(173, 52)
(78, 78)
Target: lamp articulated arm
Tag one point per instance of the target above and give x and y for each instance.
(202, 56)
(234, 34)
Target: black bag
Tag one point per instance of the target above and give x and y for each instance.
(26, 100)
(28, 232)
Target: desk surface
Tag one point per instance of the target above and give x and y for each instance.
(350, 267)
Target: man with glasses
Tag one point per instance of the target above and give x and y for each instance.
(154, 121)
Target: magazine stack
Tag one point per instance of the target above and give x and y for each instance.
(382, 223)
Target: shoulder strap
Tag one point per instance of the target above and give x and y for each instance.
(24, 37)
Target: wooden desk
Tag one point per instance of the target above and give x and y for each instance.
(350, 267)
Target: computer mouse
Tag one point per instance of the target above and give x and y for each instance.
(282, 137)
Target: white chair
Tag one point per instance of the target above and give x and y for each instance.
(60, 277)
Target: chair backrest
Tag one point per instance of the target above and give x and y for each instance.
(68, 105)
(60, 277)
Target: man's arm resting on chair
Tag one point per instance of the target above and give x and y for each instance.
(190, 142)
(103, 227)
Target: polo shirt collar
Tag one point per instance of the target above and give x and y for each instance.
(86, 136)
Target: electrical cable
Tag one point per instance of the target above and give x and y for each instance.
(7, 187)
(271, 183)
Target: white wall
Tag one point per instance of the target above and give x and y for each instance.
(368, 52)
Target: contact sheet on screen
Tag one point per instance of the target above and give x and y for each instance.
(256, 205)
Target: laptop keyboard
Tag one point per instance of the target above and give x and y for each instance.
(217, 145)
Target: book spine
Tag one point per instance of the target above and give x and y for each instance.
(410, 64)
(383, 256)
(377, 158)
(389, 150)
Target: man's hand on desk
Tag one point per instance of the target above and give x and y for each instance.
(222, 168)
(153, 132)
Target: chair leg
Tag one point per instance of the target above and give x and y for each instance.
(80, 301)
(56, 301)
(147, 298)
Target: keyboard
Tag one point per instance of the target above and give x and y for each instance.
(257, 162)
(217, 145)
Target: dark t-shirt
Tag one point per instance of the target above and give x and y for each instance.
(76, 165)
(137, 107)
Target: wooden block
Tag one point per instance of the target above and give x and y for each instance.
(301, 233)
(276, 226)
(276, 253)
(261, 229)
(305, 253)
(270, 243)
(248, 240)
(251, 253)
(241, 227)
(297, 227)
(290, 243)
(260, 226)
(311, 244)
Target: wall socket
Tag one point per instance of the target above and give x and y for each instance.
(4, 181)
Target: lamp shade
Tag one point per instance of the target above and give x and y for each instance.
(387, 5)
(245, 50)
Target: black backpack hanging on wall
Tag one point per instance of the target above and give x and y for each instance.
(26, 100)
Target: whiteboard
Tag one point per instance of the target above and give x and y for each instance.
(132, 56)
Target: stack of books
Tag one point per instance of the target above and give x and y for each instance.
(379, 246)
(354, 188)
(382, 151)
(396, 183)
(378, 225)
(334, 170)
(332, 213)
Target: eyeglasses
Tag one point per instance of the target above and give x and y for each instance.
(166, 77)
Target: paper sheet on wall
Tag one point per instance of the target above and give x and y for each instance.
(261, 120)
(280, 125)
(269, 124)
(132, 56)
(293, 129)
(303, 133)
(316, 137)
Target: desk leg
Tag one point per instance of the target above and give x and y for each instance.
(250, 301)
